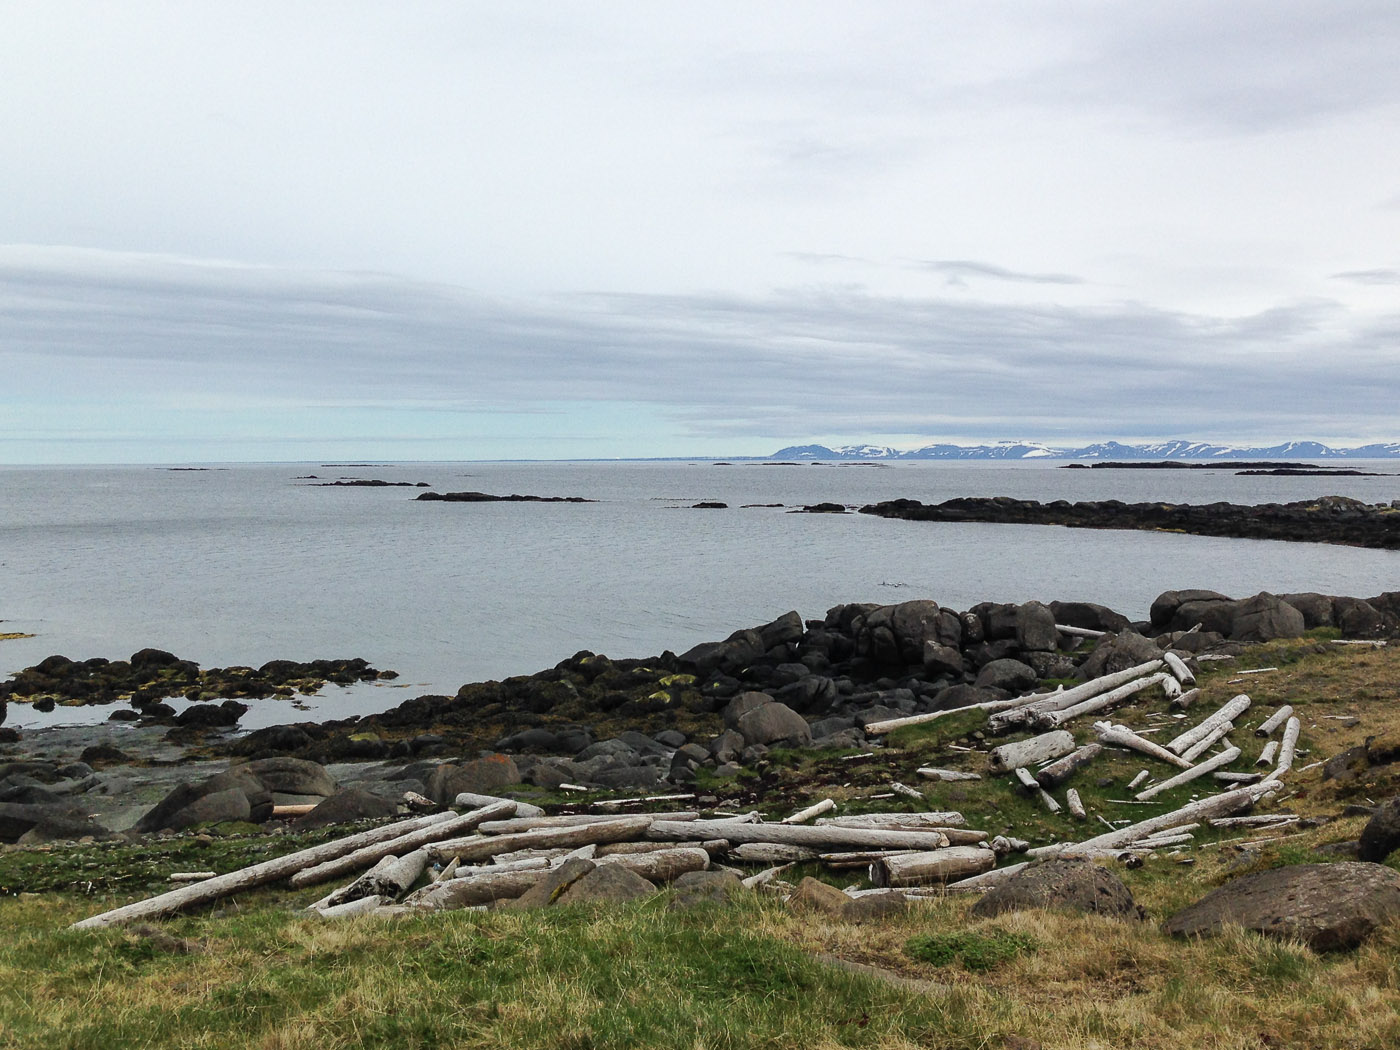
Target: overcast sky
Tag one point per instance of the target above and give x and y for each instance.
(423, 230)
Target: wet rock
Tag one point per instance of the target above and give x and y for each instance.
(1348, 766)
(1329, 907)
(1063, 883)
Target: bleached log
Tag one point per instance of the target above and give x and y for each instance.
(1002, 845)
(479, 847)
(1230, 711)
(950, 775)
(1258, 820)
(939, 818)
(1186, 699)
(860, 858)
(769, 853)
(471, 800)
(1125, 737)
(1104, 702)
(480, 886)
(391, 878)
(1226, 777)
(1070, 697)
(1028, 783)
(663, 865)
(714, 847)
(1177, 666)
(826, 805)
(1167, 841)
(1266, 756)
(1267, 727)
(889, 725)
(190, 876)
(516, 825)
(351, 908)
(1287, 749)
(1079, 632)
(764, 877)
(1075, 805)
(300, 809)
(455, 825)
(1210, 765)
(941, 865)
(821, 836)
(1031, 752)
(906, 790)
(985, 881)
(1171, 688)
(1143, 774)
(1223, 804)
(612, 804)
(1047, 800)
(255, 875)
(1058, 772)
(1200, 747)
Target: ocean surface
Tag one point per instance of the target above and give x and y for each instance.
(244, 564)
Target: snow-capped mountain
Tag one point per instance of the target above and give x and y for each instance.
(1102, 450)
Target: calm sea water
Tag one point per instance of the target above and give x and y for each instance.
(240, 565)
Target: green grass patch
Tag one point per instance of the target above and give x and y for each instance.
(977, 952)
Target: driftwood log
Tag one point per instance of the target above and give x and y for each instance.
(1103, 702)
(260, 874)
(1228, 713)
(1056, 773)
(1177, 666)
(1210, 765)
(1000, 721)
(1108, 733)
(478, 886)
(824, 837)
(1031, 751)
(480, 847)
(1278, 718)
(941, 865)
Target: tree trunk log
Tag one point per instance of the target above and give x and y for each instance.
(949, 775)
(1210, 765)
(388, 880)
(1266, 756)
(1177, 666)
(1200, 747)
(769, 853)
(820, 837)
(982, 883)
(1125, 737)
(1186, 699)
(941, 865)
(481, 886)
(479, 847)
(1228, 713)
(254, 875)
(939, 819)
(1278, 718)
(1075, 805)
(826, 805)
(1286, 750)
(1057, 773)
(369, 854)
(1031, 752)
(1104, 702)
(1069, 697)
(519, 824)
(471, 800)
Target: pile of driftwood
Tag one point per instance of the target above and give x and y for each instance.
(501, 848)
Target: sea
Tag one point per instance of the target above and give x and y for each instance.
(241, 564)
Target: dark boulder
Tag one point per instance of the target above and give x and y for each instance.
(1381, 836)
(1065, 883)
(1329, 907)
(345, 806)
(773, 723)
(696, 889)
(1089, 616)
(1264, 618)
(271, 740)
(1010, 675)
(1317, 609)
(1166, 606)
(1118, 652)
(290, 776)
(480, 776)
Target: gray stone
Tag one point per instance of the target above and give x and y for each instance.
(215, 808)
(1035, 627)
(697, 888)
(550, 888)
(344, 806)
(1381, 836)
(1329, 907)
(1089, 615)
(1317, 609)
(1118, 652)
(874, 907)
(1063, 883)
(814, 895)
(742, 705)
(291, 776)
(1264, 618)
(607, 883)
(772, 723)
(1011, 675)
(481, 776)
(1167, 604)
(943, 659)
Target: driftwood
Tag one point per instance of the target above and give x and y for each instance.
(1210, 765)
(1103, 702)
(471, 800)
(1032, 751)
(821, 836)
(300, 809)
(1143, 774)
(611, 829)
(1237, 778)
(988, 879)
(714, 847)
(939, 818)
(1266, 756)
(1256, 820)
(768, 852)
(662, 865)
(519, 824)
(1200, 747)
(1186, 699)
(1079, 632)
(1267, 727)
(1221, 805)
(764, 877)
(934, 773)
(941, 865)
(390, 879)
(349, 909)
(1069, 698)
(1056, 773)
(190, 876)
(1028, 783)
(1125, 737)
(1177, 666)
(369, 854)
(1047, 800)
(1227, 713)
(1287, 749)
(478, 886)
(255, 875)
(859, 859)
(826, 805)
(1075, 805)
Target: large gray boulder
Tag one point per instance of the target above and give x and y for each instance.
(1011, 675)
(1089, 615)
(1167, 606)
(1118, 652)
(1063, 883)
(291, 776)
(606, 883)
(896, 634)
(481, 776)
(1329, 907)
(180, 809)
(742, 705)
(733, 654)
(1264, 618)
(772, 723)
(1035, 628)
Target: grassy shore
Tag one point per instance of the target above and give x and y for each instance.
(257, 973)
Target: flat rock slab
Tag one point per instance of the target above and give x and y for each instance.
(1067, 883)
(1329, 907)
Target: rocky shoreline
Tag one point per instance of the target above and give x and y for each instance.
(673, 723)
(1330, 519)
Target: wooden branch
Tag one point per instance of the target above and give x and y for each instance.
(1143, 775)
(366, 855)
(1210, 765)
(764, 877)
(255, 875)
(889, 725)
(985, 881)
(663, 865)
(826, 805)
(1028, 783)
(951, 775)
(298, 810)
(1201, 746)
(389, 880)
(1079, 632)
(1286, 750)
(1266, 756)
(1125, 737)
(190, 876)
(1267, 727)
(1031, 752)
(1057, 773)
(351, 909)
(941, 865)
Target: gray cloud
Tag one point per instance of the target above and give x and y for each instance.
(774, 367)
(1380, 276)
(958, 269)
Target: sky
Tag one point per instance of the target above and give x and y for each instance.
(461, 230)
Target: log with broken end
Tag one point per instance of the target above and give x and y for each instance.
(479, 847)
(1056, 773)
(1103, 702)
(1030, 752)
(941, 865)
(1177, 666)
(1122, 736)
(1278, 718)
(826, 805)
(1210, 765)
(1029, 712)
(1230, 711)
(824, 837)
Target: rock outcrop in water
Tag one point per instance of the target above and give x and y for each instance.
(486, 497)
(1331, 519)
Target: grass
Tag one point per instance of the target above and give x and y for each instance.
(975, 952)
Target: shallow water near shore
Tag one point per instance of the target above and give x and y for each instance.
(244, 564)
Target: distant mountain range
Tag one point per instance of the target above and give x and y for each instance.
(1103, 450)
